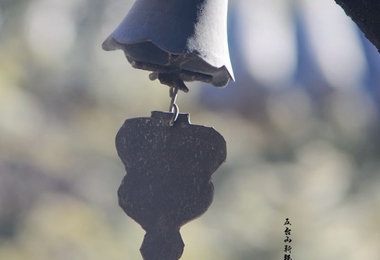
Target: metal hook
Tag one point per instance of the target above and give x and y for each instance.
(175, 114)
(173, 93)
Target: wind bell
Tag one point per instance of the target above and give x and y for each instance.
(169, 162)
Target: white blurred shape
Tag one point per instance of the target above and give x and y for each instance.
(19, 111)
(268, 40)
(291, 113)
(334, 41)
(325, 175)
(353, 112)
(50, 28)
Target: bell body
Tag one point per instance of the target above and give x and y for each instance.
(186, 36)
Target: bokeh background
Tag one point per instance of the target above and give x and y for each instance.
(302, 124)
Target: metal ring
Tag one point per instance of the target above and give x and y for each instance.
(175, 114)
(173, 92)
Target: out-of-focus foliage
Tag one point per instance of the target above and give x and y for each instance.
(301, 123)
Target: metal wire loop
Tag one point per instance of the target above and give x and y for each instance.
(173, 92)
(175, 114)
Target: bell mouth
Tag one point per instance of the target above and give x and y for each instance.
(148, 56)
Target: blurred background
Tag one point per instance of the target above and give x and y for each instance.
(302, 125)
